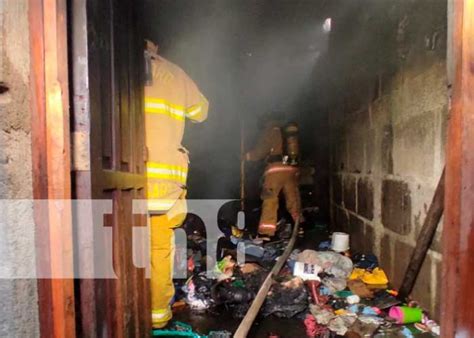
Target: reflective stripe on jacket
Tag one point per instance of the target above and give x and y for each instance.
(171, 98)
(168, 172)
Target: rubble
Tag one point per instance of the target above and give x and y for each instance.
(330, 293)
(287, 299)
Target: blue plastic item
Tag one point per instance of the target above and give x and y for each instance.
(174, 333)
(353, 308)
(407, 333)
(324, 291)
(368, 311)
(326, 245)
(178, 329)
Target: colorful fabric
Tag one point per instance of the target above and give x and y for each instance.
(376, 277)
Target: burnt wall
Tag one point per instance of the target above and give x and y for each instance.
(388, 130)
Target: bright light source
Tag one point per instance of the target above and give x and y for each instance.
(327, 25)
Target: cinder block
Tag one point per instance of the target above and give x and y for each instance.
(337, 189)
(356, 230)
(402, 255)
(387, 150)
(365, 198)
(339, 158)
(369, 240)
(436, 244)
(420, 88)
(356, 152)
(386, 258)
(414, 145)
(396, 206)
(422, 291)
(341, 220)
(370, 156)
(349, 196)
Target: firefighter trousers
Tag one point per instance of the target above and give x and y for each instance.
(162, 263)
(277, 179)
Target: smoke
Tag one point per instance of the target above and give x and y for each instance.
(248, 58)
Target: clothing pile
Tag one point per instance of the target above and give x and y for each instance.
(231, 286)
(331, 293)
(351, 297)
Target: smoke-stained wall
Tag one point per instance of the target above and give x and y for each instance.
(388, 132)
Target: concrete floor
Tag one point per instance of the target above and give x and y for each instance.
(205, 322)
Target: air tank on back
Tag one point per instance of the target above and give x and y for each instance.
(292, 143)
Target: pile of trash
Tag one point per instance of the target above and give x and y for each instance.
(329, 291)
(351, 297)
(179, 329)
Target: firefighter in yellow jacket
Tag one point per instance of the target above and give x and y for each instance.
(278, 145)
(171, 97)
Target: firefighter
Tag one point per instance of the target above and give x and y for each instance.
(171, 97)
(278, 145)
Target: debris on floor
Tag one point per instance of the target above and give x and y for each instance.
(328, 292)
(179, 329)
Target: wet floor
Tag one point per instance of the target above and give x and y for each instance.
(205, 322)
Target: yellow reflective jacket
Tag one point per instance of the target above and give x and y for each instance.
(170, 99)
(270, 143)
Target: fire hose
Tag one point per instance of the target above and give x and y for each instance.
(246, 324)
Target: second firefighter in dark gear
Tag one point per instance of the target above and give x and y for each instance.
(279, 147)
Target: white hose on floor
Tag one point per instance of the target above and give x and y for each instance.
(246, 324)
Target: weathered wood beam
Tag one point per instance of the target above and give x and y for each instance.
(425, 238)
(457, 298)
(51, 166)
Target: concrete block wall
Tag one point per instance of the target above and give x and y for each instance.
(18, 297)
(386, 162)
(388, 131)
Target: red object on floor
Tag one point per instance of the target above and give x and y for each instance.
(191, 264)
(313, 329)
(313, 285)
(310, 324)
(317, 298)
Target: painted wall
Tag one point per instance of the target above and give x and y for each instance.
(18, 300)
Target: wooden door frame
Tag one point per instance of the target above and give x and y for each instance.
(51, 163)
(51, 168)
(457, 299)
(101, 303)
